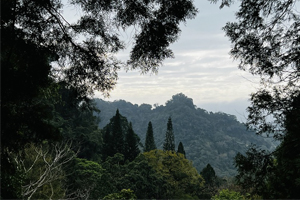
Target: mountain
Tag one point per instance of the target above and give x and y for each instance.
(213, 138)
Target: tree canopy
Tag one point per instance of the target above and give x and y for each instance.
(89, 63)
(149, 141)
(266, 41)
(180, 149)
(169, 144)
(183, 179)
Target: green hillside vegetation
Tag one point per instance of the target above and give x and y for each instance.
(208, 137)
(53, 145)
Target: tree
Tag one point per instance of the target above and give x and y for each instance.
(89, 64)
(169, 144)
(77, 123)
(265, 39)
(228, 194)
(114, 135)
(131, 144)
(117, 134)
(149, 142)
(209, 174)
(86, 180)
(107, 144)
(142, 178)
(183, 179)
(287, 158)
(28, 94)
(35, 35)
(124, 194)
(254, 170)
(42, 170)
(181, 149)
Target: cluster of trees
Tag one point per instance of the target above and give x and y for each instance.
(265, 40)
(51, 146)
(208, 137)
(47, 74)
(89, 162)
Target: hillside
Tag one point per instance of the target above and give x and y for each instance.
(207, 137)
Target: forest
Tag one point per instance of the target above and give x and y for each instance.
(54, 145)
(208, 137)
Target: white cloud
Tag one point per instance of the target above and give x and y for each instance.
(202, 69)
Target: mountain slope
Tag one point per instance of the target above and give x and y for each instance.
(207, 137)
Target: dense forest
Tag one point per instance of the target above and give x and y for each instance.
(213, 138)
(51, 143)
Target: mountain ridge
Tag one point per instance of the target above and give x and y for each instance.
(208, 137)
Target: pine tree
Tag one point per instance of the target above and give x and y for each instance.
(107, 144)
(113, 137)
(131, 147)
(169, 144)
(181, 149)
(209, 174)
(117, 134)
(149, 142)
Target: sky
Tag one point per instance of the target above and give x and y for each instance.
(202, 69)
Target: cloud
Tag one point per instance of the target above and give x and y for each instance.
(202, 68)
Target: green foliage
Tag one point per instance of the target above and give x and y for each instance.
(124, 194)
(265, 39)
(131, 144)
(169, 144)
(181, 176)
(209, 174)
(254, 169)
(262, 27)
(149, 142)
(119, 137)
(90, 67)
(142, 178)
(180, 149)
(274, 175)
(114, 135)
(208, 137)
(40, 170)
(227, 194)
(77, 123)
(137, 175)
(117, 134)
(86, 179)
(35, 34)
(27, 99)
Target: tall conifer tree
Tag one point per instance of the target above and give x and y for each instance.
(117, 134)
(107, 144)
(181, 149)
(113, 137)
(131, 148)
(169, 144)
(149, 142)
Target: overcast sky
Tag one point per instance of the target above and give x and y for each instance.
(202, 69)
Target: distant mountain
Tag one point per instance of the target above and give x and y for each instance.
(208, 137)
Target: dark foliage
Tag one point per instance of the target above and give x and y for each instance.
(114, 136)
(169, 144)
(266, 40)
(209, 174)
(180, 149)
(149, 142)
(131, 148)
(86, 64)
(119, 137)
(208, 137)
(78, 124)
(40, 48)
